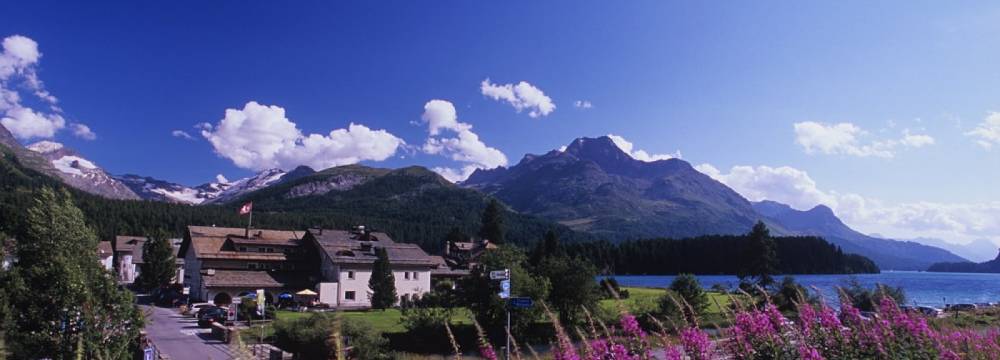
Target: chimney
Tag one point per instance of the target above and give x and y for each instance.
(447, 248)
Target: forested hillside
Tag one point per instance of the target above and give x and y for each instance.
(723, 254)
(413, 205)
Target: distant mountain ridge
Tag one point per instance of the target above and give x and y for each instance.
(992, 266)
(218, 192)
(888, 254)
(81, 173)
(594, 186)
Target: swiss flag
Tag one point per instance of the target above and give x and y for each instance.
(246, 208)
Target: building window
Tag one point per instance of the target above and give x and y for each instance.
(350, 275)
(416, 275)
(260, 249)
(406, 275)
(349, 295)
(252, 266)
(270, 250)
(243, 249)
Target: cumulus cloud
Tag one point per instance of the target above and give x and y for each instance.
(462, 144)
(583, 104)
(181, 134)
(83, 131)
(987, 133)
(638, 154)
(846, 139)
(26, 123)
(18, 70)
(521, 96)
(959, 222)
(260, 137)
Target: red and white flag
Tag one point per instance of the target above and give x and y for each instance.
(246, 208)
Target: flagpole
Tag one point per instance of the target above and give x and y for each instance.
(249, 222)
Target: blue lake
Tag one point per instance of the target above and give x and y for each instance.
(922, 288)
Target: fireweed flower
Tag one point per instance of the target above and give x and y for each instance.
(696, 343)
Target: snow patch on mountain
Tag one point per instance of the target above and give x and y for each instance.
(74, 165)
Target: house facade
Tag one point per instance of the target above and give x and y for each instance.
(223, 263)
(346, 260)
(128, 251)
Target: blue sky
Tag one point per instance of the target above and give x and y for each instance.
(888, 96)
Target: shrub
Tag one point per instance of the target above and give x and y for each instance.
(308, 337)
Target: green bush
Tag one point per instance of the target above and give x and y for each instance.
(309, 337)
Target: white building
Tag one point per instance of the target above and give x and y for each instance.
(346, 259)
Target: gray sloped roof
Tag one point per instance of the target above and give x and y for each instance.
(348, 247)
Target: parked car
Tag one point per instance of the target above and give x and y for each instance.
(929, 311)
(194, 308)
(210, 315)
(962, 307)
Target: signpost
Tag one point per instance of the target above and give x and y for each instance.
(500, 274)
(521, 303)
(504, 289)
(504, 277)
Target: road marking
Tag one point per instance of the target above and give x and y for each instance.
(191, 332)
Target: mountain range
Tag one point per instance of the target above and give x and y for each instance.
(594, 186)
(991, 266)
(591, 186)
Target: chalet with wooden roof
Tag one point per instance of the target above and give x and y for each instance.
(346, 259)
(221, 263)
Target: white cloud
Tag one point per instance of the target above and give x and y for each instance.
(583, 104)
(26, 123)
(845, 139)
(83, 131)
(18, 63)
(221, 179)
(260, 137)
(521, 96)
(782, 184)
(987, 133)
(637, 154)
(465, 146)
(957, 222)
(181, 134)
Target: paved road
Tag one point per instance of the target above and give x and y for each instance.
(180, 338)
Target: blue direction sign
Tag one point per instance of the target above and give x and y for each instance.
(504, 289)
(521, 302)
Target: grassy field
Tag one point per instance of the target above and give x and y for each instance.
(644, 300)
(640, 301)
(381, 320)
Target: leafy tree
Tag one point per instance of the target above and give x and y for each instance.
(67, 304)
(789, 294)
(442, 295)
(868, 299)
(609, 287)
(687, 287)
(760, 256)
(479, 292)
(493, 223)
(572, 286)
(159, 264)
(307, 337)
(382, 283)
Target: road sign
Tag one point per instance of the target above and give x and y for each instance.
(500, 274)
(504, 289)
(521, 302)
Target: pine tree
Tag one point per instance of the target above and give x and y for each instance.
(493, 223)
(67, 305)
(159, 264)
(382, 282)
(760, 257)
